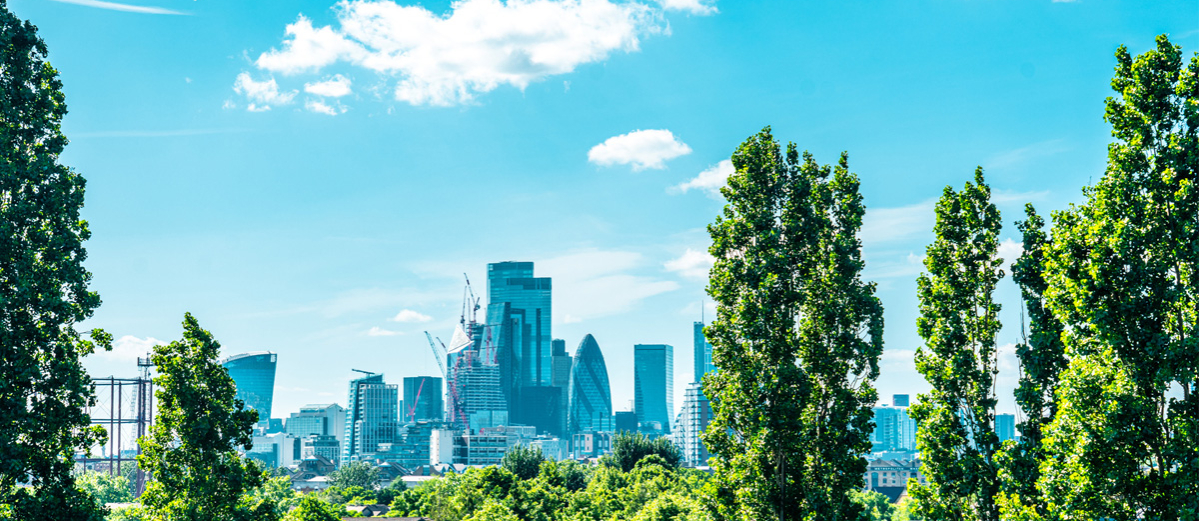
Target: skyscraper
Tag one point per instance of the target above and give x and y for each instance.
(318, 420)
(422, 399)
(372, 416)
(590, 400)
(254, 376)
(703, 352)
(653, 380)
(1005, 427)
(893, 430)
(518, 329)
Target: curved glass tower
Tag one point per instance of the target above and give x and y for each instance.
(254, 375)
(590, 406)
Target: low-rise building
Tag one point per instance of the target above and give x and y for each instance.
(890, 477)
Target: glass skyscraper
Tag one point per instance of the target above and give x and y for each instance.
(1005, 427)
(653, 380)
(422, 399)
(372, 416)
(703, 352)
(529, 313)
(590, 400)
(254, 375)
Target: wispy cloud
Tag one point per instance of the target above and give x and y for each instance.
(1025, 154)
(641, 148)
(409, 315)
(710, 180)
(890, 225)
(693, 264)
(128, 348)
(378, 331)
(261, 94)
(598, 283)
(129, 8)
(700, 7)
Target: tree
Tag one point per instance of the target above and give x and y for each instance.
(1042, 360)
(523, 460)
(190, 450)
(104, 488)
(44, 390)
(313, 509)
(355, 474)
(797, 337)
(958, 322)
(1123, 273)
(387, 494)
(628, 449)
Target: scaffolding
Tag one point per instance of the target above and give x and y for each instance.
(124, 409)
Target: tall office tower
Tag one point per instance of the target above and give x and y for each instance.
(318, 420)
(1005, 427)
(703, 352)
(372, 417)
(475, 386)
(422, 399)
(893, 429)
(900, 400)
(529, 314)
(653, 380)
(254, 375)
(693, 419)
(561, 379)
(626, 421)
(590, 398)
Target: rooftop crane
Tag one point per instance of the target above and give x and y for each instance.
(439, 355)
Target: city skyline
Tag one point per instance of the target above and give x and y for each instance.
(335, 240)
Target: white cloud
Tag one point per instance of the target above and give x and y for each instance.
(262, 94)
(598, 283)
(321, 107)
(334, 87)
(693, 264)
(1026, 154)
(477, 46)
(378, 331)
(884, 225)
(710, 180)
(640, 148)
(409, 315)
(1009, 251)
(114, 6)
(699, 7)
(128, 348)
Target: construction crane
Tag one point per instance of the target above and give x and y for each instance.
(368, 373)
(469, 301)
(439, 355)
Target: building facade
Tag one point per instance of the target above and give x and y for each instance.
(372, 417)
(702, 352)
(318, 420)
(422, 399)
(254, 375)
(590, 397)
(1005, 427)
(653, 381)
(693, 419)
(894, 430)
(529, 312)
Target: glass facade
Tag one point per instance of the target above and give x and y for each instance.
(529, 314)
(254, 375)
(590, 397)
(422, 399)
(1005, 427)
(693, 419)
(703, 352)
(893, 430)
(653, 381)
(372, 417)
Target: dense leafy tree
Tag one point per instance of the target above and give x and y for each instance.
(387, 494)
(355, 474)
(190, 450)
(630, 448)
(44, 389)
(312, 509)
(797, 336)
(278, 493)
(1042, 360)
(1123, 273)
(104, 488)
(875, 506)
(958, 322)
(523, 460)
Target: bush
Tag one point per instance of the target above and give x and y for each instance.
(628, 449)
(524, 461)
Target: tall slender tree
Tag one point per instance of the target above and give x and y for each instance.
(44, 390)
(797, 337)
(958, 322)
(1123, 273)
(191, 448)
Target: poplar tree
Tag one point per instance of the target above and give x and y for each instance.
(1123, 279)
(797, 337)
(191, 448)
(44, 390)
(958, 322)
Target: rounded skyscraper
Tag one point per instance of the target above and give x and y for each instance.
(590, 406)
(254, 375)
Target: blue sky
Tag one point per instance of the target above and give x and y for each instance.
(299, 174)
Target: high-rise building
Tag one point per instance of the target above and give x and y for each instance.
(254, 375)
(703, 352)
(653, 381)
(372, 417)
(590, 397)
(422, 399)
(693, 419)
(529, 298)
(626, 421)
(1005, 427)
(900, 400)
(561, 380)
(894, 430)
(318, 420)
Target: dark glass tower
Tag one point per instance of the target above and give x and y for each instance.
(372, 416)
(703, 352)
(528, 314)
(653, 380)
(590, 401)
(422, 399)
(254, 375)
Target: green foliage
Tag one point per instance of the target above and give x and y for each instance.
(355, 474)
(44, 389)
(797, 337)
(190, 451)
(352, 495)
(104, 488)
(905, 511)
(958, 322)
(312, 509)
(276, 492)
(1123, 274)
(875, 506)
(388, 494)
(630, 448)
(523, 460)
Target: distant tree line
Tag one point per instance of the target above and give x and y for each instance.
(1109, 381)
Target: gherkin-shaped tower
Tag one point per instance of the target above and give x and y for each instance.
(590, 406)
